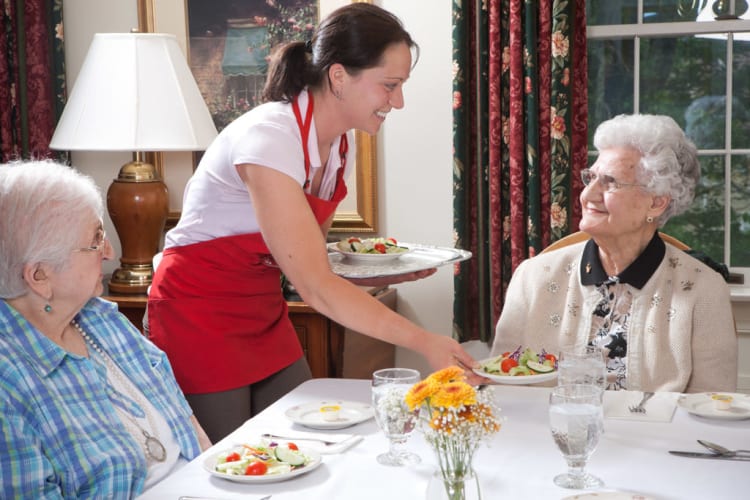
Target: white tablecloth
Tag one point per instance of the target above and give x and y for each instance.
(518, 464)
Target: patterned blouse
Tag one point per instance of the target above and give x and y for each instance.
(611, 316)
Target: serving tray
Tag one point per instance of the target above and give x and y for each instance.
(419, 258)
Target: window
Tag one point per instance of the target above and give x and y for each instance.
(689, 59)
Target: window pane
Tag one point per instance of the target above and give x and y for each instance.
(612, 12)
(702, 226)
(740, 214)
(668, 11)
(741, 90)
(610, 80)
(677, 73)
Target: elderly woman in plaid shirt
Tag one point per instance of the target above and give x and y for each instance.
(89, 408)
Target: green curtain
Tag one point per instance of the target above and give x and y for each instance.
(520, 134)
(32, 77)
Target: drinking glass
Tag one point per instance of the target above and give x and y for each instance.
(393, 416)
(576, 420)
(586, 366)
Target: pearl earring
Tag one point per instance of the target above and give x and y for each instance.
(649, 219)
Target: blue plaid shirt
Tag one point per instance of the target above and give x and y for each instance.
(59, 434)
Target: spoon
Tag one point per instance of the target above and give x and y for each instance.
(720, 450)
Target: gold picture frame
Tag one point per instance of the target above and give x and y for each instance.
(358, 212)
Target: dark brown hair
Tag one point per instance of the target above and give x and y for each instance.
(355, 36)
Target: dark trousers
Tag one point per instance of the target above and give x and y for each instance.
(219, 413)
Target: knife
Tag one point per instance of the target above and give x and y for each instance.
(695, 454)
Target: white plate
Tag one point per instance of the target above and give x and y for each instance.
(609, 495)
(368, 258)
(702, 405)
(309, 414)
(419, 258)
(514, 380)
(315, 460)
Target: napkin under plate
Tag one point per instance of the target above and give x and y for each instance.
(308, 440)
(660, 408)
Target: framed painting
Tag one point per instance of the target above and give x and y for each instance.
(227, 44)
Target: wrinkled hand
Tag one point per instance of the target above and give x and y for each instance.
(442, 351)
(393, 279)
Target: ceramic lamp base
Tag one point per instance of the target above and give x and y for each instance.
(138, 204)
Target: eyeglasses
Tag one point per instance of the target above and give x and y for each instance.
(101, 241)
(607, 182)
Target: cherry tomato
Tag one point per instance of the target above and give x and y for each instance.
(551, 358)
(379, 247)
(256, 469)
(233, 457)
(507, 364)
(353, 240)
(292, 446)
(392, 241)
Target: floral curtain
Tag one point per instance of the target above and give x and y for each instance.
(32, 77)
(520, 133)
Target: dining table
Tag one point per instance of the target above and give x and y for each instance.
(518, 462)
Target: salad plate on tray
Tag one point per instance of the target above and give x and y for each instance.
(416, 258)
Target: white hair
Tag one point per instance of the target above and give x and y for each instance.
(44, 205)
(669, 160)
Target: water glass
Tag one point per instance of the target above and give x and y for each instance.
(582, 366)
(395, 419)
(576, 420)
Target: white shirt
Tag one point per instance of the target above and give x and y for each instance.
(216, 202)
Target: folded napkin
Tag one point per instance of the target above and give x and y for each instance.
(660, 408)
(309, 440)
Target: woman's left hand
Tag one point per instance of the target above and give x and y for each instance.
(393, 279)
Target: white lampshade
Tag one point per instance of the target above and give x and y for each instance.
(135, 92)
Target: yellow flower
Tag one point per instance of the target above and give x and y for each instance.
(454, 395)
(420, 391)
(450, 374)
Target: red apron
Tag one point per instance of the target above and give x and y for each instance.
(217, 309)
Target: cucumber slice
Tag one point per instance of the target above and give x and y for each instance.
(539, 368)
(287, 455)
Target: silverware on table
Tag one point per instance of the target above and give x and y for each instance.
(715, 456)
(302, 438)
(640, 408)
(716, 448)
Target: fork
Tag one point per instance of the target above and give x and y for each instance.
(640, 407)
(300, 438)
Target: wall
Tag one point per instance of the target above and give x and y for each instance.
(414, 150)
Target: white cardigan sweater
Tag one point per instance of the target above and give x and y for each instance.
(681, 337)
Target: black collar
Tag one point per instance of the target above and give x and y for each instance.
(636, 274)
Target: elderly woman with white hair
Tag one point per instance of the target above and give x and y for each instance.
(89, 408)
(662, 317)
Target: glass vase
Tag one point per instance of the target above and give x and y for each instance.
(447, 485)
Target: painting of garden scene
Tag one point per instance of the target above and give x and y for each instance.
(231, 42)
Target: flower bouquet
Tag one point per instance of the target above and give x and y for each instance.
(456, 419)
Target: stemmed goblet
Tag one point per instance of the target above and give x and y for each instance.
(576, 420)
(389, 386)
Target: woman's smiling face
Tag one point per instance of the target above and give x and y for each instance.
(372, 93)
(622, 211)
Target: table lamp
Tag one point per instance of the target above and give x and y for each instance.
(135, 92)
